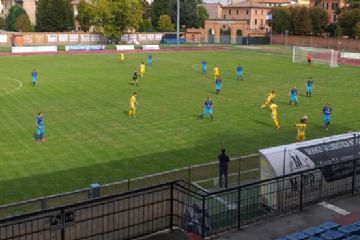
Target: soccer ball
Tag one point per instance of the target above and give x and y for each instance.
(305, 117)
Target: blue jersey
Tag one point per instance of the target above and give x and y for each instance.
(218, 82)
(208, 104)
(34, 74)
(293, 92)
(239, 69)
(150, 57)
(203, 63)
(309, 83)
(327, 110)
(39, 122)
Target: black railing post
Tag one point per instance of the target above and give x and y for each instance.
(203, 218)
(353, 178)
(171, 206)
(301, 190)
(239, 206)
(62, 224)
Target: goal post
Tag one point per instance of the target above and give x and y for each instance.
(318, 55)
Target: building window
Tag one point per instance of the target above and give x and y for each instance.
(255, 21)
(255, 12)
(224, 16)
(247, 11)
(262, 23)
(334, 18)
(229, 11)
(237, 11)
(262, 12)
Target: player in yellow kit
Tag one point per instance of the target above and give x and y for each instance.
(133, 102)
(271, 96)
(216, 72)
(301, 130)
(274, 113)
(142, 69)
(122, 57)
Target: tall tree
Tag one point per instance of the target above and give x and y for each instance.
(84, 16)
(189, 15)
(319, 20)
(280, 20)
(203, 15)
(54, 16)
(14, 12)
(300, 20)
(164, 24)
(2, 23)
(348, 19)
(112, 18)
(158, 8)
(23, 24)
(357, 30)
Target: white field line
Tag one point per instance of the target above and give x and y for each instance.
(230, 206)
(181, 169)
(334, 208)
(232, 174)
(13, 90)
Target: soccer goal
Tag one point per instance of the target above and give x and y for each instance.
(317, 55)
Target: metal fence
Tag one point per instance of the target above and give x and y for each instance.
(241, 169)
(178, 204)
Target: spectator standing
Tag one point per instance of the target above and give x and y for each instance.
(223, 167)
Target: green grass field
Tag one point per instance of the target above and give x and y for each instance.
(90, 138)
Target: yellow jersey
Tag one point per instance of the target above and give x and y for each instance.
(274, 108)
(270, 96)
(132, 101)
(122, 56)
(301, 128)
(216, 71)
(142, 67)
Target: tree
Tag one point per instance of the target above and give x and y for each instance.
(319, 19)
(203, 15)
(357, 30)
(2, 23)
(164, 24)
(300, 20)
(147, 11)
(146, 26)
(84, 16)
(189, 15)
(112, 18)
(54, 16)
(348, 19)
(23, 24)
(14, 12)
(280, 20)
(158, 8)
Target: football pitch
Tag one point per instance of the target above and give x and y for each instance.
(90, 138)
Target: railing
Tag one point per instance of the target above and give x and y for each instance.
(178, 204)
(241, 169)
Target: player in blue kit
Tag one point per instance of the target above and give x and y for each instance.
(293, 96)
(239, 72)
(203, 66)
(327, 112)
(39, 128)
(150, 60)
(218, 85)
(309, 85)
(34, 76)
(207, 109)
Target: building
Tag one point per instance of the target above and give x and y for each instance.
(214, 9)
(247, 18)
(28, 5)
(330, 6)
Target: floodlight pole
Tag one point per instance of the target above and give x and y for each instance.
(178, 23)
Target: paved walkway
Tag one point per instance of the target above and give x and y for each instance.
(343, 211)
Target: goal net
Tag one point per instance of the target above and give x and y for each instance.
(317, 55)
